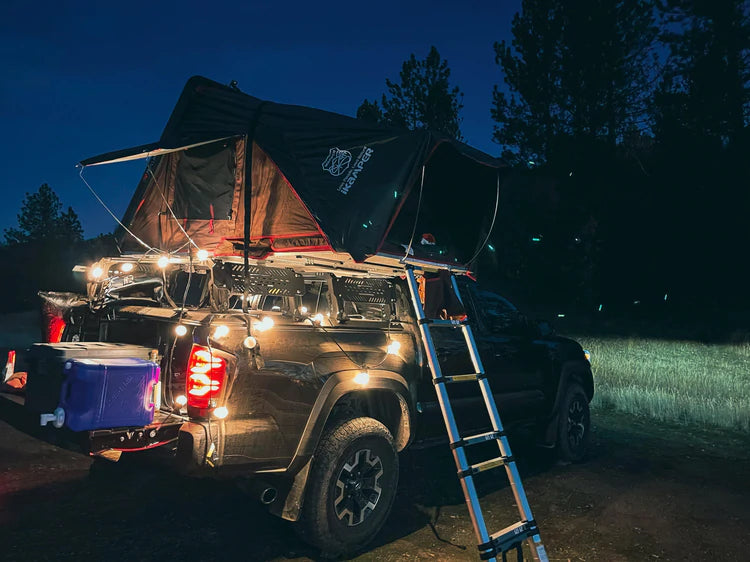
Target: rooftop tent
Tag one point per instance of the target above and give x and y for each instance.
(317, 180)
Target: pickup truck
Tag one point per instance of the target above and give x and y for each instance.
(313, 391)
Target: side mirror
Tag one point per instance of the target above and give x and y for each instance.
(545, 328)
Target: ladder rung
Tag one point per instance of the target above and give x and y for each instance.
(440, 323)
(485, 465)
(511, 537)
(479, 438)
(508, 538)
(459, 378)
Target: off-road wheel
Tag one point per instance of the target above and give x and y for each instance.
(574, 425)
(351, 487)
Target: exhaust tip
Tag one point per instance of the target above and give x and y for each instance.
(268, 496)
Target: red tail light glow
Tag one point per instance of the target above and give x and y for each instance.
(206, 374)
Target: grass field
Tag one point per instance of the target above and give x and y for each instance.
(678, 381)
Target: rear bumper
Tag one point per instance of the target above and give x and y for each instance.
(158, 434)
(192, 446)
(163, 431)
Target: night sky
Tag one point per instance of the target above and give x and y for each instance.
(85, 79)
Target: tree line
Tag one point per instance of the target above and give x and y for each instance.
(625, 127)
(42, 250)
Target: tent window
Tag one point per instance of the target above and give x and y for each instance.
(204, 183)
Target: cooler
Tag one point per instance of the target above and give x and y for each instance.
(46, 360)
(108, 393)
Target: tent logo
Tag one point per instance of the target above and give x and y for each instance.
(359, 163)
(337, 161)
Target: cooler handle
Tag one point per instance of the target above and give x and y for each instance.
(65, 388)
(152, 396)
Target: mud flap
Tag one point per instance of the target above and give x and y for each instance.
(289, 503)
(549, 439)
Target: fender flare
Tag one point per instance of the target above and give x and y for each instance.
(338, 385)
(575, 369)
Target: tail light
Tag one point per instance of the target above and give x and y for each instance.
(54, 325)
(206, 375)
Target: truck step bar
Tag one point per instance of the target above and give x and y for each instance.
(511, 538)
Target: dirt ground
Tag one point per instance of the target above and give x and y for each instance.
(648, 492)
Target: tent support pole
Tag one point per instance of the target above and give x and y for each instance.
(249, 140)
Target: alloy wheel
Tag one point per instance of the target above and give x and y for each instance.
(576, 423)
(358, 487)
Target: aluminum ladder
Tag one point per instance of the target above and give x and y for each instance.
(512, 537)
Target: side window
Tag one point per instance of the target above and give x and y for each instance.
(498, 314)
(315, 299)
(366, 311)
(273, 303)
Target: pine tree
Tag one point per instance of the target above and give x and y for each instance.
(422, 99)
(531, 114)
(577, 72)
(370, 111)
(707, 89)
(41, 220)
(69, 226)
(38, 217)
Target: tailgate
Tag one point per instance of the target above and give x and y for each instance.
(162, 431)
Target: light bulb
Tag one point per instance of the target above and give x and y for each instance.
(221, 331)
(393, 347)
(263, 325)
(202, 255)
(97, 272)
(363, 377)
(126, 267)
(318, 318)
(221, 412)
(163, 262)
(181, 400)
(303, 310)
(180, 330)
(250, 342)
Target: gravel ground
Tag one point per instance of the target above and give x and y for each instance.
(648, 492)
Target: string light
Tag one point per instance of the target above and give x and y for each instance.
(181, 400)
(163, 262)
(318, 318)
(221, 331)
(303, 310)
(180, 330)
(250, 342)
(265, 324)
(96, 272)
(126, 267)
(221, 412)
(362, 378)
(393, 348)
(202, 255)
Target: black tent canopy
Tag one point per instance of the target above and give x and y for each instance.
(232, 171)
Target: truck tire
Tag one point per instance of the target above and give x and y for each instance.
(351, 487)
(574, 425)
